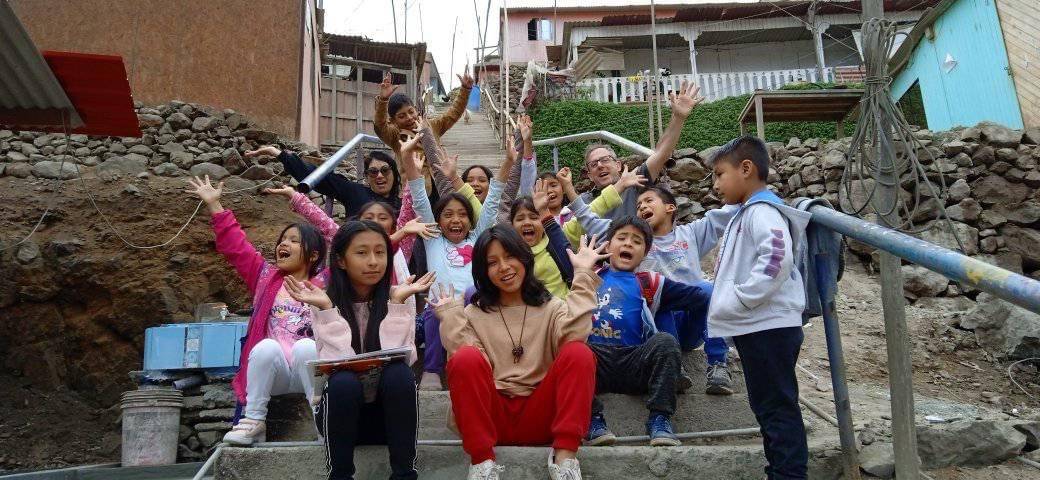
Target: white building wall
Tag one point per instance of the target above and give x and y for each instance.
(744, 57)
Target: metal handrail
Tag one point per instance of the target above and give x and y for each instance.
(329, 165)
(596, 135)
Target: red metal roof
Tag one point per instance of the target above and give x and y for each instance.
(99, 90)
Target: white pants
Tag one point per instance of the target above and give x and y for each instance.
(270, 374)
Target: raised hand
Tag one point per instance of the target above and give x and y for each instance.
(588, 256)
(449, 165)
(410, 286)
(307, 292)
(629, 178)
(441, 295)
(265, 151)
(541, 197)
(687, 98)
(465, 80)
(565, 176)
(413, 144)
(415, 226)
(525, 125)
(387, 88)
(209, 194)
(285, 191)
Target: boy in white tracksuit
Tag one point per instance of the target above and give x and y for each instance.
(758, 300)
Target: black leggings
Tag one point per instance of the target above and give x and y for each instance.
(345, 420)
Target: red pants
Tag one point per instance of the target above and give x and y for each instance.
(557, 412)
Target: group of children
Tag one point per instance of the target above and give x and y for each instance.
(540, 298)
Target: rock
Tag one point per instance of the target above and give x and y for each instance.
(144, 150)
(120, 166)
(258, 135)
(943, 165)
(178, 120)
(149, 120)
(171, 147)
(132, 190)
(811, 174)
(1032, 179)
(834, 159)
(235, 121)
(687, 169)
(857, 195)
(212, 426)
(793, 143)
(953, 148)
(1024, 213)
(991, 219)
(685, 152)
(257, 172)
(1031, 135)
(989, 244)
(29, 150)
(878, 459)
(225, 414)
(1008, 155)
(217, 395)
(208, 439)
(238, 184)
(233, 161)
(1025, 162)
(15, 157)
(922, 282)
(984, 156)
(215, 172)
(939, 233)
(1022, 241)
(962, 160)
(994, 134)
(1006, 260)
(167, 169)
(815, 190)
(959, 190)
(994, 189)
(182, 159)
(1003, 329)
(208, 157)
(967, 210)
(27, 252)
(203, 124)
(19, 170)
(1000, 168)
(968, 443)
(794, 182)
(55, 170)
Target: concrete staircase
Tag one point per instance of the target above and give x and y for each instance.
(729, 458)
(475, 142)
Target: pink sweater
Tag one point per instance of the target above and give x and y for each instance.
(262, 278)
(333, 336)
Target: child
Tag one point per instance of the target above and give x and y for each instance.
(362, 313)
(451, 254)
(676, 253)
(759, 299)
(530, 218)
(278, 343)
(632, 357)
(478, 177)
(520, 372)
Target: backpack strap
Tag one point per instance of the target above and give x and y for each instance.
(649, 282)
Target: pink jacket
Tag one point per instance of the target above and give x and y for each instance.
(262, 278)
(333, 336)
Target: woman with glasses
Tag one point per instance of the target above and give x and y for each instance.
(383, 183)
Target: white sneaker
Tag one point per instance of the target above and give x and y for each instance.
(430, 381)
(247, 432)
(486, 470)
(570, 469)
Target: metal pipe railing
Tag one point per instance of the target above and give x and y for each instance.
(329, 165)
(596, 135)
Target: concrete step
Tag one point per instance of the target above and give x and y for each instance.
(290, 418)
(629, 462)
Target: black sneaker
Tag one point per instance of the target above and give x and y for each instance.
(599, 434)
(718, 380)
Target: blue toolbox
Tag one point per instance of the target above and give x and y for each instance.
(193, 345)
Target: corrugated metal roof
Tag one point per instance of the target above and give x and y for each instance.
(362, 48)
(28, 88)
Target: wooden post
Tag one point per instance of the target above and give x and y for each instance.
(743, 129)
(760, 121)
(840, 130)
(897, 337)
(359, 109)
(335, 106)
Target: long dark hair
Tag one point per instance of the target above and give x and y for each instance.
(487, 172)
(342, 293)
(311, 242)
(381, 204)
(532, 291)
(443, 202)
(395, 186)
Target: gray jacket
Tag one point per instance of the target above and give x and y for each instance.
(757, 282)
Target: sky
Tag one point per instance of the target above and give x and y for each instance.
(432, 21)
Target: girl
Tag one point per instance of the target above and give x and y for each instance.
(478, 177)
(278, 343)
(380, 169)
(381, 213)
(531, 219)
(362, 313)
(449, 255)
(520, 372)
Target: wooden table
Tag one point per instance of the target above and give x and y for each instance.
(831, 105)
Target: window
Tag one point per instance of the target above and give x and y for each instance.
(540, 29)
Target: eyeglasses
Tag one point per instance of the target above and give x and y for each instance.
(600, 161)
(373, 171)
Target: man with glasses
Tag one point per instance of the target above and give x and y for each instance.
(604, 168)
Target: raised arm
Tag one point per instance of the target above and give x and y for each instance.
(351, 194)
(231, 240)
(386, 131)
(411, 163)
(455, 329)
(709, 228)
(522, 172)
(489, 215)
(553, 231)
(444, 122)
(575, 323)
(682, 104)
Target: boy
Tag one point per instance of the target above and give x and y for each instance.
(676, 252)
(632, 357)
(759, 298)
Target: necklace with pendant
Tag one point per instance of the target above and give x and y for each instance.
(518, 347)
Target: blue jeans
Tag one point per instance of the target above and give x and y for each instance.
(691, 329)
(768, 358)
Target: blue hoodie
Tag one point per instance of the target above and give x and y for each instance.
(622, 318)
(757, 284)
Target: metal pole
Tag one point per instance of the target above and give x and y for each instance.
(393, 11)
(329, 165)
(451, 65)
(405, 21)
(836, 358)
(657, 71)
(503, 51)
(556, 159)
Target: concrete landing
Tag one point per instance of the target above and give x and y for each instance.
(632, 463)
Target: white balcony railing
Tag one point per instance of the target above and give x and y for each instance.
(713, 85)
